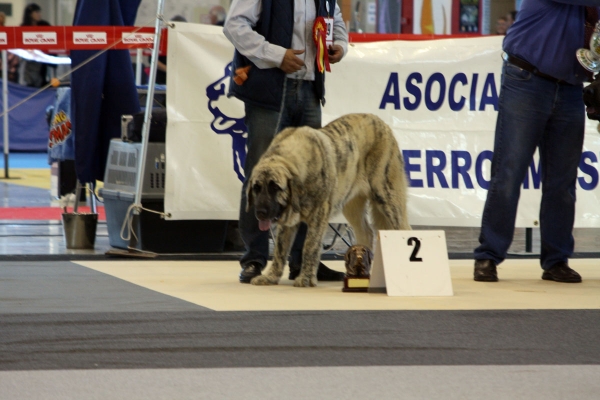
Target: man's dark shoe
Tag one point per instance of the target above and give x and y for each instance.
(250, 271)
(294, 272)
(324, 273)
(561, 272)
(485, 271)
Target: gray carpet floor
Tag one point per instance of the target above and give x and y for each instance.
(68, 332)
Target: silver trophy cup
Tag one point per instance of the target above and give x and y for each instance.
(590, 59)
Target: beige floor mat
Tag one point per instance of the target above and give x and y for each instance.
(214, 284)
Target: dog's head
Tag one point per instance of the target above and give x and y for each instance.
(358, 260)
(273, 192)
(591, 98)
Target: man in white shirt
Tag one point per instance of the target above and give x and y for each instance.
(281, 85)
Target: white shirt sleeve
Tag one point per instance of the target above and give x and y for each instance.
(340, 35)
(242, 17)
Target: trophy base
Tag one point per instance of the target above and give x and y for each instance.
(356, 284)
(588, 60)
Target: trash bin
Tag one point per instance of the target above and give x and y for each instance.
(80, 230)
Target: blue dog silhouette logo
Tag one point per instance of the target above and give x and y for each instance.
(225, 122)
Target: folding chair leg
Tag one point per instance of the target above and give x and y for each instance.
(337, 234)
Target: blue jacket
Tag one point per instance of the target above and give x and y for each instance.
(264, 87)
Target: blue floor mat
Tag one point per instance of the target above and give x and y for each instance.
(22, 196)
(26, 160)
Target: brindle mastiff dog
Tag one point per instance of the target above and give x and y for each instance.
(352, 165)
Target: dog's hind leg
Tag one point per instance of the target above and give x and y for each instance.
(390, 214)
(389, 191)
(388, 206)
(355, 213)
(283, 244)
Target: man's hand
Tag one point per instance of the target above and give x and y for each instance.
(336, 52)
(290, 62)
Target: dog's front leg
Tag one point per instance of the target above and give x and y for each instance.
(311, 253)
(283, 244)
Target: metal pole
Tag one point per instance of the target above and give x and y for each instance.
(93, 197)
(528, 240)
(138, 67)
(148, 112)
(5, 107)
(78, 187)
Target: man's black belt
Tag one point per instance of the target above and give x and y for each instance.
(530, 68)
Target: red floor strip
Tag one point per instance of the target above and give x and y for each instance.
(43, 213)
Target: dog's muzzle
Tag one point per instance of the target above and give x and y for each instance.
(264, 219)
(591, 99)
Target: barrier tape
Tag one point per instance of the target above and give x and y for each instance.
(66, 38)
(382, 37)
(60, 39)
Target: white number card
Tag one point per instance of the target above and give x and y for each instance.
(411, 263)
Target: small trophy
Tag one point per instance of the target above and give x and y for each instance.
(590, 59)
(358, 269)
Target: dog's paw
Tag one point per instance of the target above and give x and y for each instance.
(264, 280)
(305, 281)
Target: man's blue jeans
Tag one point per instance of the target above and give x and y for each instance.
(300, 107)
(534, 112)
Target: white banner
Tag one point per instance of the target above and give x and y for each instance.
(440, 98)
(40, 56)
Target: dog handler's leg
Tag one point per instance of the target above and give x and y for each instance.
(283, 243)
(311, 252)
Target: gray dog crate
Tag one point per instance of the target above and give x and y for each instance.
(153, 232)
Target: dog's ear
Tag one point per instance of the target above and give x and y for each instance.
(369, 255)
(249, 196)
(347, 255)
(294, 189)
